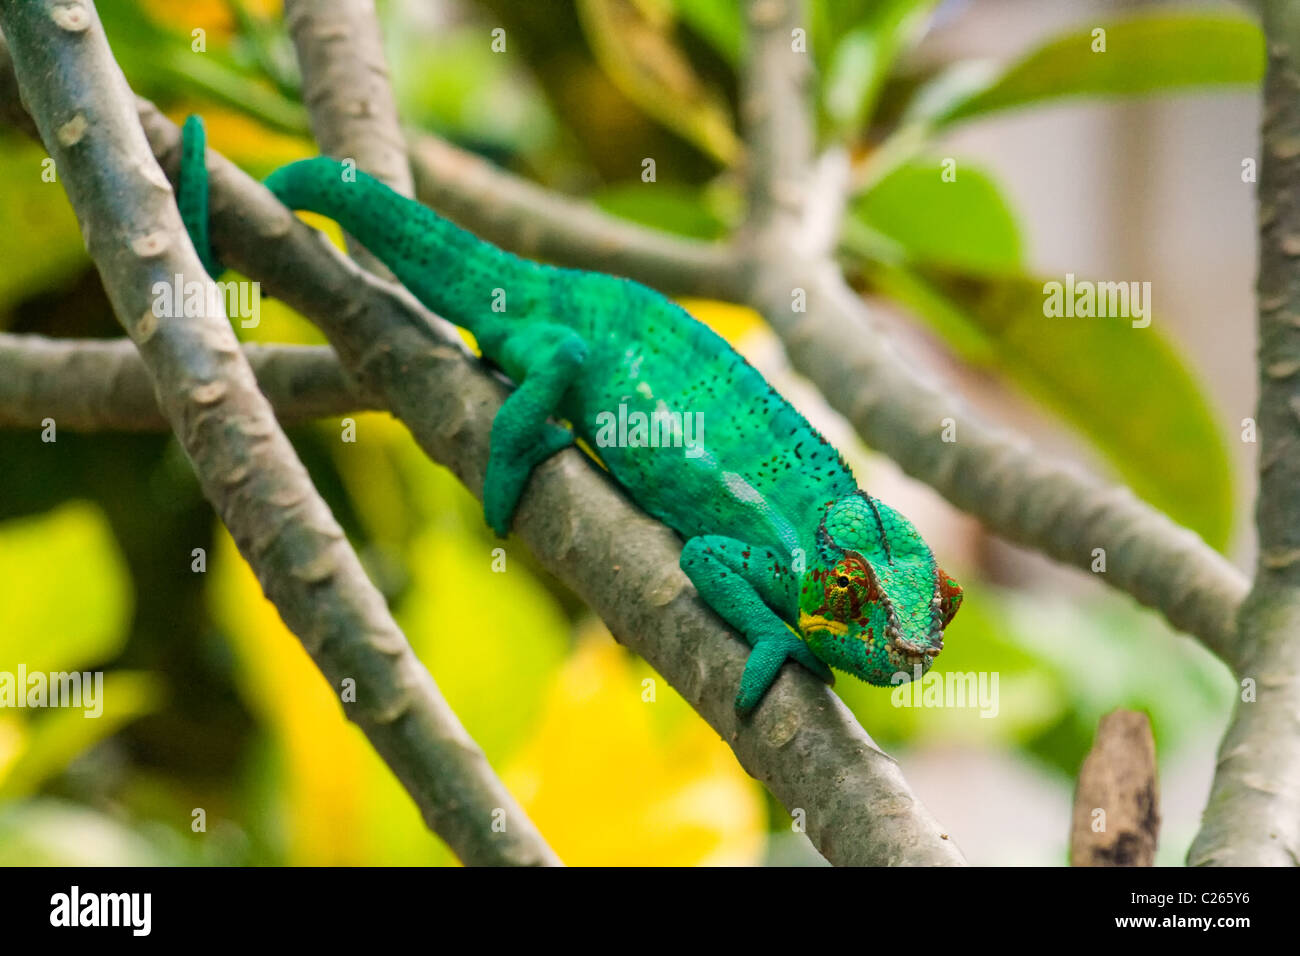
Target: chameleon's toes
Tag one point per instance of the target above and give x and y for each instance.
(746, 701)
(507, 474)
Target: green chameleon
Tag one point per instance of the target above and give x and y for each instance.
(780, 541)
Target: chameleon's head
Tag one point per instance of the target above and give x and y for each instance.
(873, 601)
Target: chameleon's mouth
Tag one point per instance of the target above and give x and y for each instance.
(815, 623)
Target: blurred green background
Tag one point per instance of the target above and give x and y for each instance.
(211, 704)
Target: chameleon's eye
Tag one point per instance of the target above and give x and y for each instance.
(842, 581)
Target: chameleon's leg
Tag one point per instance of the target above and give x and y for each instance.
(544, 359)
(739, 583)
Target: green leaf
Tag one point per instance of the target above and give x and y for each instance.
(51, 832)
(947, 216)
(161, 62)
(635, 46)
(677, 209)
(68, 595)
(40, 243)
(1146, 54)
(717, 21)
(57, 736)
(1125, 388)
(862, 50)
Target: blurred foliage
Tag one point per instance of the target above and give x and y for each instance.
(209, 702)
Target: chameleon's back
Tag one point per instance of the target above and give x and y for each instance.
(646, 357)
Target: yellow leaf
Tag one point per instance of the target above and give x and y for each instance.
(732, 322)
(340, 804)
(634, 46)
(612, 779)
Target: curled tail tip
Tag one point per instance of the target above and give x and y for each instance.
(192, 191)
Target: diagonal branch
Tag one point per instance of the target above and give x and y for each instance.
(1253, 814)
(247, 468)
(103, 385)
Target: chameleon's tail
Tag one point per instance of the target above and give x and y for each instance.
(451, 271)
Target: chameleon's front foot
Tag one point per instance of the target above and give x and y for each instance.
(764, 665)
(508, 470)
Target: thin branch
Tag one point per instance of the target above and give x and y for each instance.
(1016, 491)
(103, 385)
(349, 98)
(802, 742)
(247, 468)
(779, 128)
(1253, 814)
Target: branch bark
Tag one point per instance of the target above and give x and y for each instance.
(247, 468)
(349, 99)
(1253, 814)
(103, 385)
(534, 222)
(1118, 777)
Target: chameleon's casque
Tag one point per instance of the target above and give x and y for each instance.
(780, 541)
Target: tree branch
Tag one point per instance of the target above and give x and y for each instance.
(1253, 814)
(247, 468)
(348, 96)
(1017, 492)
(531, 221)
(103, 385)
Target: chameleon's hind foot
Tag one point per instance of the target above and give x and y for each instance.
(545, 359)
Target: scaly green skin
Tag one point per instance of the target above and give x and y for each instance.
(779, 540)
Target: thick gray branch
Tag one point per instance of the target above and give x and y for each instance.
(802, 742)
(102, 384)
(247, 468)
(1253, 815)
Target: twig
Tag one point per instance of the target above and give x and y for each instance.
(348, 96)
(248, 470)
(103, 385)
(1117, 799)
(1253, 814)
